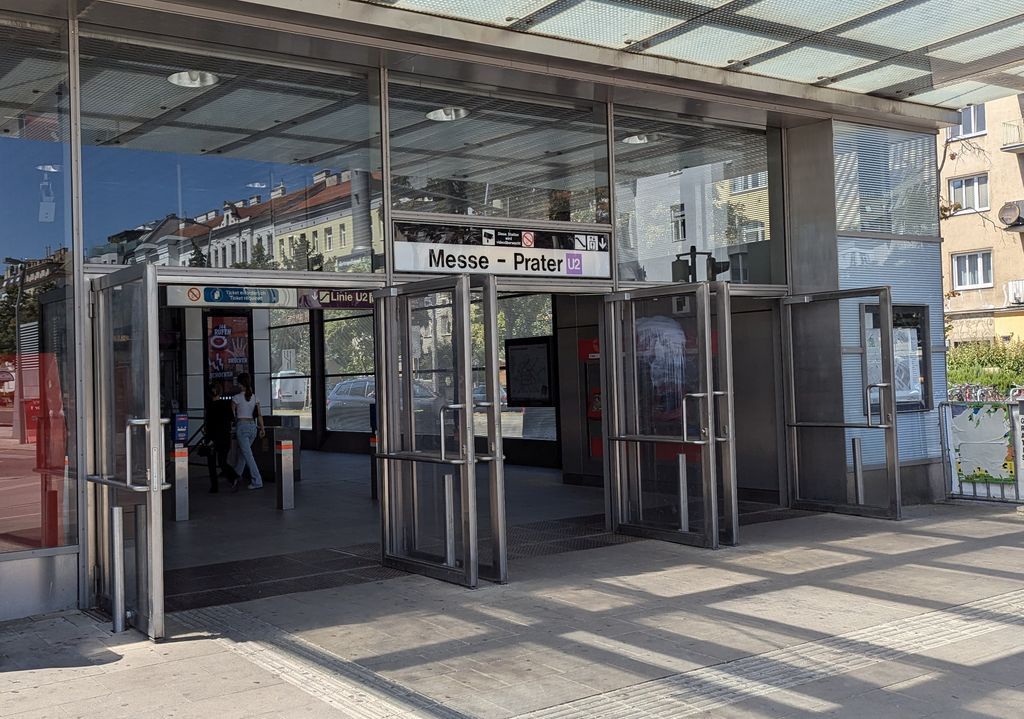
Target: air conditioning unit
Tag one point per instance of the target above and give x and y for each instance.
(1011, 214)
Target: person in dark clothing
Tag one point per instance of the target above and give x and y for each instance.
(219, 415)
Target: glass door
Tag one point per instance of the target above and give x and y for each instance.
(670, 439)
(841, 402)
(427, 454)
(130, 447)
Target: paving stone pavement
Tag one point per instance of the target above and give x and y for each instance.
(822, 616)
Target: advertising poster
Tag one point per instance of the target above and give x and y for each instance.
(227, 347)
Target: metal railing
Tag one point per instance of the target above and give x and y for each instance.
(1013, 133)
(983, 450)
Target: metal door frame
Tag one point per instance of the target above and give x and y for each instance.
(148, 618)
(392, 326)
(716, 412)
(887, 405)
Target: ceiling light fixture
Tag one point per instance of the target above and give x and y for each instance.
(447, 114)
(193, 78)
(642, 139)
(48, 168)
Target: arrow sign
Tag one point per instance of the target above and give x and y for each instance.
(602, 243)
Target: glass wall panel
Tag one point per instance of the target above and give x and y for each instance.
(349, 363)
(475, 152)
(519, 317)
(681, 185)
(38, 487)
(201, 159)
(885, 181)
(290, 365)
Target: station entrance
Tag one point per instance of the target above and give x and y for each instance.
(699, 406)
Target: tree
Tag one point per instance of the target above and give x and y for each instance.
(198, 258)
(259, 260)
(300, 258)
(348, 343)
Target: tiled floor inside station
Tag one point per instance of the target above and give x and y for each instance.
(238, 546)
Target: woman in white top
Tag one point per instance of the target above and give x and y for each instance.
(248, 422)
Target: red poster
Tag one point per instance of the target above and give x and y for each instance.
(227, 347)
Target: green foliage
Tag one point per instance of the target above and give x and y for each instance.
(259, 260)
(28, 312)
(302, 258)
(198, 258)
(996, 365)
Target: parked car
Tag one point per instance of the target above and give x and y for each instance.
(348, 405)
(480, 395)
(290, 389)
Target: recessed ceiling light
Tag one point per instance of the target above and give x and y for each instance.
(641, 139)
(447, 114)
(193, 78)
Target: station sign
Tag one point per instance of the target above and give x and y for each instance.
(457, 249)
(213, 296)
(331, 299)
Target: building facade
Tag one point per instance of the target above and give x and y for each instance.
(983, 253)
(690, 263)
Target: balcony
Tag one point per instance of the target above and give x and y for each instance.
(1013, 136)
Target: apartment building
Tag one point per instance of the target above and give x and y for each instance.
(981, 163)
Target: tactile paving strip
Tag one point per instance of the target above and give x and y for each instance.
(346, 686)
(709, 688)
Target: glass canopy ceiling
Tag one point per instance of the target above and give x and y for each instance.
(945, 53)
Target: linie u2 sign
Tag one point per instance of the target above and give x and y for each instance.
(454, 249)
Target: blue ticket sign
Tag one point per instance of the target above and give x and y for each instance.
(213, 296)
(180, 428)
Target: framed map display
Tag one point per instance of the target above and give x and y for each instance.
(529, 372)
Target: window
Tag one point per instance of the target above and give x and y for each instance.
(245, 251)
(912, 375)
(753, 181)
(270, 246)
(515, 156)
(970, 193)
(290, 365)
(349, 364)
(329, 238)
(972, 122)
(316, 239)
(972, 270)
(679, 222)
(234, 254)
(342, 236)
(752, 231)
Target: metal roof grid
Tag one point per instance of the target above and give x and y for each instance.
(927, 43)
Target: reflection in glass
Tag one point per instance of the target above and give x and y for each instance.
(519, 316)
(290, 365)
(478, 153)
(349, 361)
(250, 166)
(38, 486)
(680, 185)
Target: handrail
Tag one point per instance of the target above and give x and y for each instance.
(111, 482)
(881, 401)
(420, 457)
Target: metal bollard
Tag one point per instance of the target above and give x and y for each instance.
(180, 483)
(117, 569)
(285, 474)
